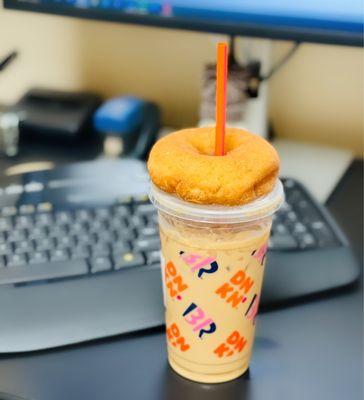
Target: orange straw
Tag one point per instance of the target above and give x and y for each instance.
(221, 78)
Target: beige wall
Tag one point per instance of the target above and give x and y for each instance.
(318, 96)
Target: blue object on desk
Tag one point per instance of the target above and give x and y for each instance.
(134, 120)
(119, 115)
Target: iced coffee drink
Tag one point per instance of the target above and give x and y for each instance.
(214, 244)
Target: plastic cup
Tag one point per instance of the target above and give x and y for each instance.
(212, 261)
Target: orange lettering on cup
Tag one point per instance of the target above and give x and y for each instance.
(235, 299)
(177, 280)
(238, 341)
(234, 291)
(223, 290)
(220, 350)
(174, 282)
(175, 339)
(234, 343)
(183, 346)
(233, 338)
(242, 280)
(170, 269)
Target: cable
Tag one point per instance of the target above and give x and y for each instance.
(280, 63)
(7, 60)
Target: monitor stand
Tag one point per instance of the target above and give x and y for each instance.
(330, 164)
(256, 109)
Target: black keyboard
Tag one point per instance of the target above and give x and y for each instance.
(300, 224)
(79, 254)
(37, 243)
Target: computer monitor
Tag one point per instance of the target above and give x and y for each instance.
(323, 21)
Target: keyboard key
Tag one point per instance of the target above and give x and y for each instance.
(23, 221)
(97, 225)
(282, 242)
(44, 219)
(100, 249)
(2, 262)
(38, 232)
(293, 196)
(306, 241)
(152, 219)
(100, 264)
(14, 189)
(38, 257)
(78, 228)
(136, 221)
(80, 252)
(63, 217)
(60, 255)
(65, 242)
(5, 248)
(87, 239)
(120, 247)
(124, 234)
(105, 237)
(83, 215)
(5, 224)
(149, 238)
(145, 209)
(33, 187)
(149, 231)
(147, 244)
(42, 271)
(58, 230)
(44, 244)
(9, 211)
(285, 207)
(291, 216)
(16, 260)
(102, 213)
(23, 247)
(299, 228)
(117, 223)
(121, 211)
(323, 234)
(289, 183)
(280, 229)
(27, 209)
(16, 235)
(308, 212)
(153, 257)
(44, 207)
(2, 237)
(128, 259)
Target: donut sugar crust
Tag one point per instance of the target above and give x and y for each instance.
(183, 163)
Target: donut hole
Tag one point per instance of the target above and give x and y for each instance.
(232, 143)
(203, 149)
(207, 147)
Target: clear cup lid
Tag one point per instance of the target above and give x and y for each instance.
(260, 208)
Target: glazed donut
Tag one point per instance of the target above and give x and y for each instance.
(183, 163)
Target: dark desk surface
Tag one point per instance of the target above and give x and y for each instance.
(308, 351)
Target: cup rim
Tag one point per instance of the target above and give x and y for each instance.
(262, 207)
